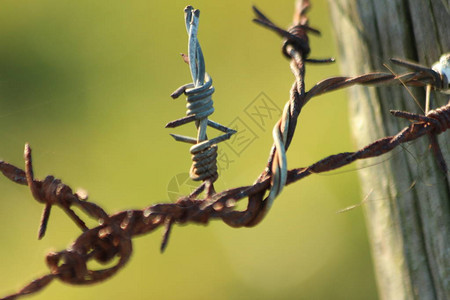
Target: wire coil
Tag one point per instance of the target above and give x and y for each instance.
(199, 100)
(440, 118)
(204, 163)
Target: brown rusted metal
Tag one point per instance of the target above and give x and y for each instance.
(113, 237)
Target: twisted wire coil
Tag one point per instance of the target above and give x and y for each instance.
(441, 118)
(199, 99)
(199, 104)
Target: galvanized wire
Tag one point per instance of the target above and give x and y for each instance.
(199, 107)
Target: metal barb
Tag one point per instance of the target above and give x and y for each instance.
(113, 237)
(295, 36)
(439, 72)
(200, 106)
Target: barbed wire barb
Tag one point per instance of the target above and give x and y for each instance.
(200, 106)
(111, 240)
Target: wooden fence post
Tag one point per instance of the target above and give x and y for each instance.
(408, 210)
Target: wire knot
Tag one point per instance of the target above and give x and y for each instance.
(204, 163)
(441, 119)
(73, 266)
(102, 244)
(298, 39)
(53, 191)
(438, 119)
(296, 36)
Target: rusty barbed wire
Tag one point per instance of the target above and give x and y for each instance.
(113, 236)
(296, 47)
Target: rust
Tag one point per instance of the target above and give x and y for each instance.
(113, 236)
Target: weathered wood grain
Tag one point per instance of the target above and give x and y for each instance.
(409, 227)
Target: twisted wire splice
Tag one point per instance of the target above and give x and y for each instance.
(295, 47)
(199, 107)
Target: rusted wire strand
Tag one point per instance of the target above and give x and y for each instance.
(113, 237)
(296, 47)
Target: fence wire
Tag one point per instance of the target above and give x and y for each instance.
(113, 237)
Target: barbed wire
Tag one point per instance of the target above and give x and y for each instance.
(113, 237)
(200, 106)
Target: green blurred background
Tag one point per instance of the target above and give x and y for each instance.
(87, 83)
